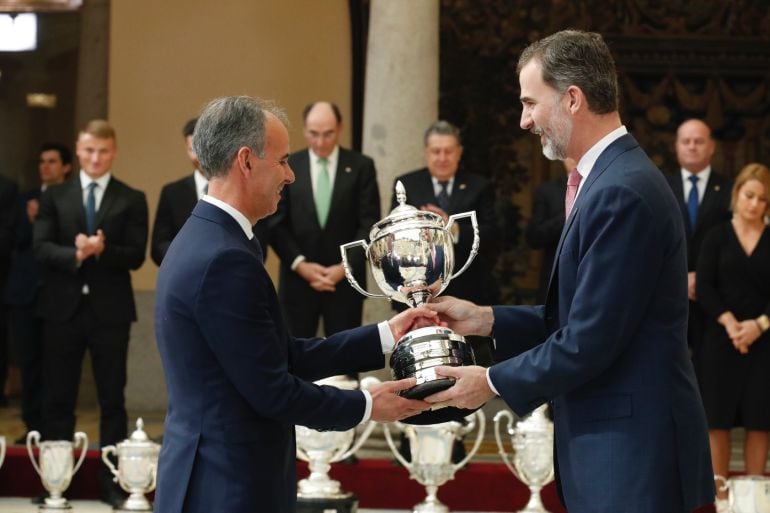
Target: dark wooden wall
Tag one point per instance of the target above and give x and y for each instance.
(677, 59)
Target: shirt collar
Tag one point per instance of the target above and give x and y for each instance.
(331, 159)
(102, 181)
(590, 157)
(200, 180)
(241, 219)
(703, 175)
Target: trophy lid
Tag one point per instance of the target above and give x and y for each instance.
(139, 435)
(405, 216)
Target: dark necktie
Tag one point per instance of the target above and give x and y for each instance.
(573, 182)
(255, 242)
(91, 209)
(443, 196)
(692, 202)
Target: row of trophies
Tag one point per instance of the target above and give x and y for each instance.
(430, 447)
(137, 459)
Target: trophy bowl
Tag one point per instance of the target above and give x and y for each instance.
(411, 256)
(747, 494)
(56, 466)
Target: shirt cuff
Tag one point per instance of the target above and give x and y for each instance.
(386, 337)
(297, 261)
(368, 408)
(491, 386)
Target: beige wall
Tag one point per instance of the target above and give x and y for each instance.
(169, 57)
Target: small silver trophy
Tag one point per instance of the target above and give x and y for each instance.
(56, 467)
(747, 494)
(532, 442)
(411, 255)
(2, 450)
(318, 492)
(137, 467)
(431, 449)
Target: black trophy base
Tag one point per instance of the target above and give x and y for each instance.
(347, 504)
(423, 390)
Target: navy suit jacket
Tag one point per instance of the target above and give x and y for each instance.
(608, 349)
(26, 274)
(236, 379)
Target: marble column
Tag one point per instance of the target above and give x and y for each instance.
(401, 97)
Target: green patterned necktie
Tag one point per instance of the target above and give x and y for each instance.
(323, 192)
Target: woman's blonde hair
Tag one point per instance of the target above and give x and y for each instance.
(753, 171)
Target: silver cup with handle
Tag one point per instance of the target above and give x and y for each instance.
(137, 467)
(431, 449)
(411, 256)
(532, 459)
(56, 466)
(318, 492)
(747, 494)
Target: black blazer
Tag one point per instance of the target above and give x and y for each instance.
(8, 195)
(122, 216)
(469, 192)
(713, 209)
(26, 274)
(295, 230)
(545, 225)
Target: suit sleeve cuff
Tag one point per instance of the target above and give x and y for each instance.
(489, 382)
(386, 337)
(297, 261)
(368, 407)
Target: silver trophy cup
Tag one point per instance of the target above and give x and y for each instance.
(137, 467)
(411, 256)
(748, 494)
(532, 442)
(56, 466)
(431, 449)
(321, 448)
(2, 450)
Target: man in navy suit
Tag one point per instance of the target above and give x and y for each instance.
(237, 382)
(334, 200)
(608, 349)
(704, 200)
(24, 282)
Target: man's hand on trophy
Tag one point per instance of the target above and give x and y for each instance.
(316, 275)
(462, 316)
(388, 406)
(410, 319)
(471, 388)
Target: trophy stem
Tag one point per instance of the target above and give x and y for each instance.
(535, 504)
(431, 504)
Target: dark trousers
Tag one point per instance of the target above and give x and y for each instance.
(26, 345)
(65, 346)
(3, 353)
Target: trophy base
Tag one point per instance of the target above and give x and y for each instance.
(347, 504)
(423, 390)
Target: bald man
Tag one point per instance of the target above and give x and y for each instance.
(702, 208)
(334, 200)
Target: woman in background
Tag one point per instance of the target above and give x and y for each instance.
(734, 289)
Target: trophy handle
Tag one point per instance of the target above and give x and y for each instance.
(2, 450)
(33, 438)
(106, 451)
(393, 448)
(349, 272)
(83, 439)
(367, 382)
(474, 247)
(500, 445)
(479, 435)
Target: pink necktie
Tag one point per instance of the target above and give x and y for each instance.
(573, 181)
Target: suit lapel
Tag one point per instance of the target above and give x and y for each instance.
(76, 206)
(459, 191)
(302, 189)
(108, 200)
(343, 179)
(709, 197)
(617, 147)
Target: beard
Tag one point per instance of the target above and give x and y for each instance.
(557, 135)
